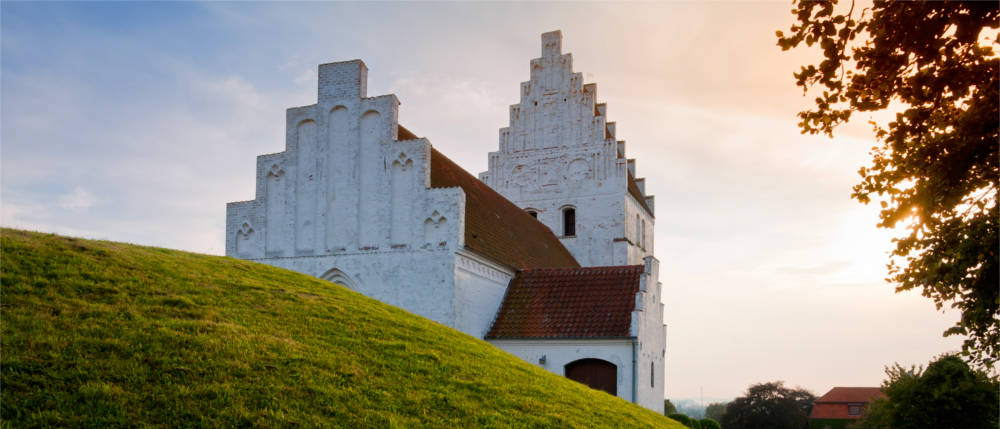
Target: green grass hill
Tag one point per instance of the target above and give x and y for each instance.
(104, 334)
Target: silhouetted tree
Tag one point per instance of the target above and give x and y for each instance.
(715, 410)
(935, 168)
(668, 407)
(769, 406)
(948, 394)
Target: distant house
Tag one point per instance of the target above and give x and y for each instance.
(841, 406)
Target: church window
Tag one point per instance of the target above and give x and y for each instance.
(569, 222)
(652, 375)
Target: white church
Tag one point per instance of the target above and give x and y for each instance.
(548, 255)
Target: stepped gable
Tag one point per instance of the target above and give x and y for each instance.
(558, 121)
(592, 302)
(495, 227)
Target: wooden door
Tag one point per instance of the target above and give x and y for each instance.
(596, 373)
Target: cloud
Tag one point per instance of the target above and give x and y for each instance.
(307, 78)
(79, 198)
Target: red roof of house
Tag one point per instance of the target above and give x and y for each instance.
(850, 394)
(497, 228)
(834, 404)
(592, 302)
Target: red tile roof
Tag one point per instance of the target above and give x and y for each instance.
(851, 394)
(497, 228)
(592, 302)
(834, 404)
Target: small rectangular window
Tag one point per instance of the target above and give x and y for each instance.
(569, 222)
(853, 410)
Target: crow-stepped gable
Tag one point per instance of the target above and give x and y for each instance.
(548, 257)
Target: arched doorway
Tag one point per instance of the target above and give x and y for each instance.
(338, 277)
(596, 373)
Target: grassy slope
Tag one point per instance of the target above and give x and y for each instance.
(99, 333)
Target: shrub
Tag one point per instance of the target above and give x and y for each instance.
(681, 418)
(707, 423)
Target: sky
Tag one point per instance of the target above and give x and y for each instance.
(137, 122)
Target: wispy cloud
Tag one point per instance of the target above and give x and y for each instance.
(79, 198)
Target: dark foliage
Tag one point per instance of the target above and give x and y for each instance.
(668, 407)
(707, 423)
(715, 410)
(948, 394)
(769, 406)
(681, 418)
(935, 168)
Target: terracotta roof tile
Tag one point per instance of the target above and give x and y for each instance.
(851, 394)
(591, 302)
(497, 228)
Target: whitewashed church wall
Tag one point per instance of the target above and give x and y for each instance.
(347, 195)
(414, 280)
(559, 352)
(480, 285)
(638, 232)
(649, 328)
(560, 151)
(598, 223)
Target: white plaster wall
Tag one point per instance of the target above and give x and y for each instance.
(651, 332)
(559, 150)
(559, 352)
(412, 280)
(347, 195)
(639, 241)
(480, 285)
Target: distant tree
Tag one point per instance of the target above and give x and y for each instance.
(668, 407)
(769, 406)
(948, 394)
(681, 418)
(715, 410)
(707, 423)
(936, 167)
(694, 423)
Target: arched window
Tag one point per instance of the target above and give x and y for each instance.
(652, 375)
(569, 222)
(596, 373)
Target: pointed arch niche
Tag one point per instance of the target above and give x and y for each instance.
(339, 277)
